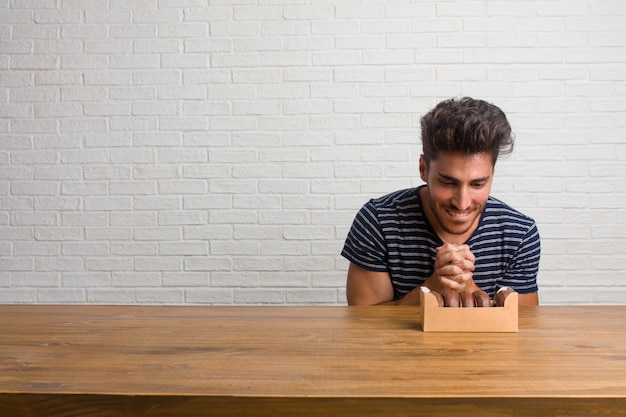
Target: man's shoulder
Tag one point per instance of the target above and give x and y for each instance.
(402, 199)
(497, 210)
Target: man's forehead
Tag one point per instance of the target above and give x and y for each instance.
(461, 166)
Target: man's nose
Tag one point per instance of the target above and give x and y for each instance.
(462, 198)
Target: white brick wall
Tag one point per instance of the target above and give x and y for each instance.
(215, 152)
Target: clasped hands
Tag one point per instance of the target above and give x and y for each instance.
(453, 269)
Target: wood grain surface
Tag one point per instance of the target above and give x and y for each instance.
(304, 361)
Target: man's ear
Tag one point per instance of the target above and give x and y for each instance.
(423, 169)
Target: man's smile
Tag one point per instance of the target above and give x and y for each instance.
(459, 214)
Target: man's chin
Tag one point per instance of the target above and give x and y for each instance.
(457, 228)
(457, 232)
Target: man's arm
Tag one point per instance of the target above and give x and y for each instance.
(530, 299)
(453, 267)
(525, 266)
(368, 288)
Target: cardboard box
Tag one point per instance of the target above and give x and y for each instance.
(477, 319)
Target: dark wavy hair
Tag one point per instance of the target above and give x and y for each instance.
(466, 125)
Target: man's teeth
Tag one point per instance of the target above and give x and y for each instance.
(458, 214)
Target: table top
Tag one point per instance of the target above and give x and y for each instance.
(289, 352)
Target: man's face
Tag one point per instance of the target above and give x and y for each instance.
(458, 188)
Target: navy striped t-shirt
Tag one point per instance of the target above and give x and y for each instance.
(391, 234)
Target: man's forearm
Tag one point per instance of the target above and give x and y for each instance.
(410, 299)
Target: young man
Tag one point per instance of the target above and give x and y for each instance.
(449, 233)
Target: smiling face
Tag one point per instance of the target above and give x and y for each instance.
(458, 186)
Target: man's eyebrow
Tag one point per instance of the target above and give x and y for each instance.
(447, 177)
(451, 178)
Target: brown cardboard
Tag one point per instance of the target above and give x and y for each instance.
(477, 319)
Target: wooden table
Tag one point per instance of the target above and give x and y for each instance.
(305, 361)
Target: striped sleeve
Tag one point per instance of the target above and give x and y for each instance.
(365, 243)
(524, 267)
(507, 248)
